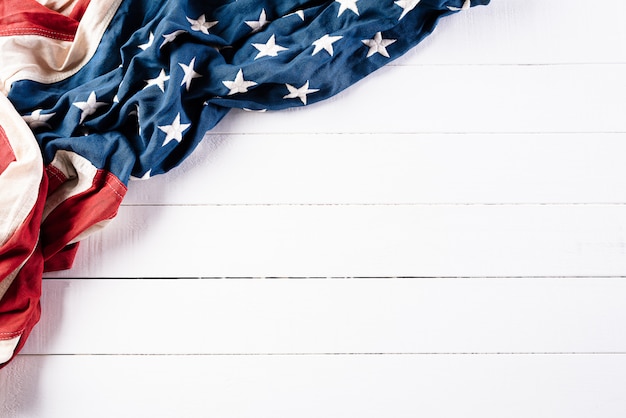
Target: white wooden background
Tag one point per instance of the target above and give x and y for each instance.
(456, 248)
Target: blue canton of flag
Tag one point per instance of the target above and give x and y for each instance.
(166, 72)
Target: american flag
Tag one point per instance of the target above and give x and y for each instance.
(98, 92)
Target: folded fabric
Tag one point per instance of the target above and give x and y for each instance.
(98, 92)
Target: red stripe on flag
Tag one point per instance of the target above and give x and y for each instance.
(56, 178)
(76, 215)
(28, 17)
(7, 156)
(19, 306)
(79, 10)
(21, 243)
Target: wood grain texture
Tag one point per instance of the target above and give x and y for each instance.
(275, 169)
(512, 32)
(442, 386)
(349, 241)
(295, 316)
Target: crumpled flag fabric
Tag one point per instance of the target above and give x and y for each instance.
(98, 92)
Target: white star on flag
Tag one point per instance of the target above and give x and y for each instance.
(170, 37)
(159, 81)
(89, 107)
(326, 43)
(347, 4)
(146, 176)
(378, 45)
(175, 130)
(238, 85)
(300, 14)
(269, 49)
(299, 92)
(257, 25)
(466, 5)
(190, 74)
(201, 25)
(407, 6)
(37, 120)
(148, 44)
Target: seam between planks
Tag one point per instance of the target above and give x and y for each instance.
(361, 354)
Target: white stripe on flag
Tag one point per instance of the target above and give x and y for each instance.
(79, 173)
(7, 348)
(21, 179)
(55, 60)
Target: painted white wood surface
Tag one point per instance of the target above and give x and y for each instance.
(359, 240)
(305, 386)
(511, 200)
(528, 32)
(338, 316)
(246, 169)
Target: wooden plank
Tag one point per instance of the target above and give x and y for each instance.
(290, 316)
(492, 386)
(372, 240)
(408, 169)
(455, 99)
(527, 32)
